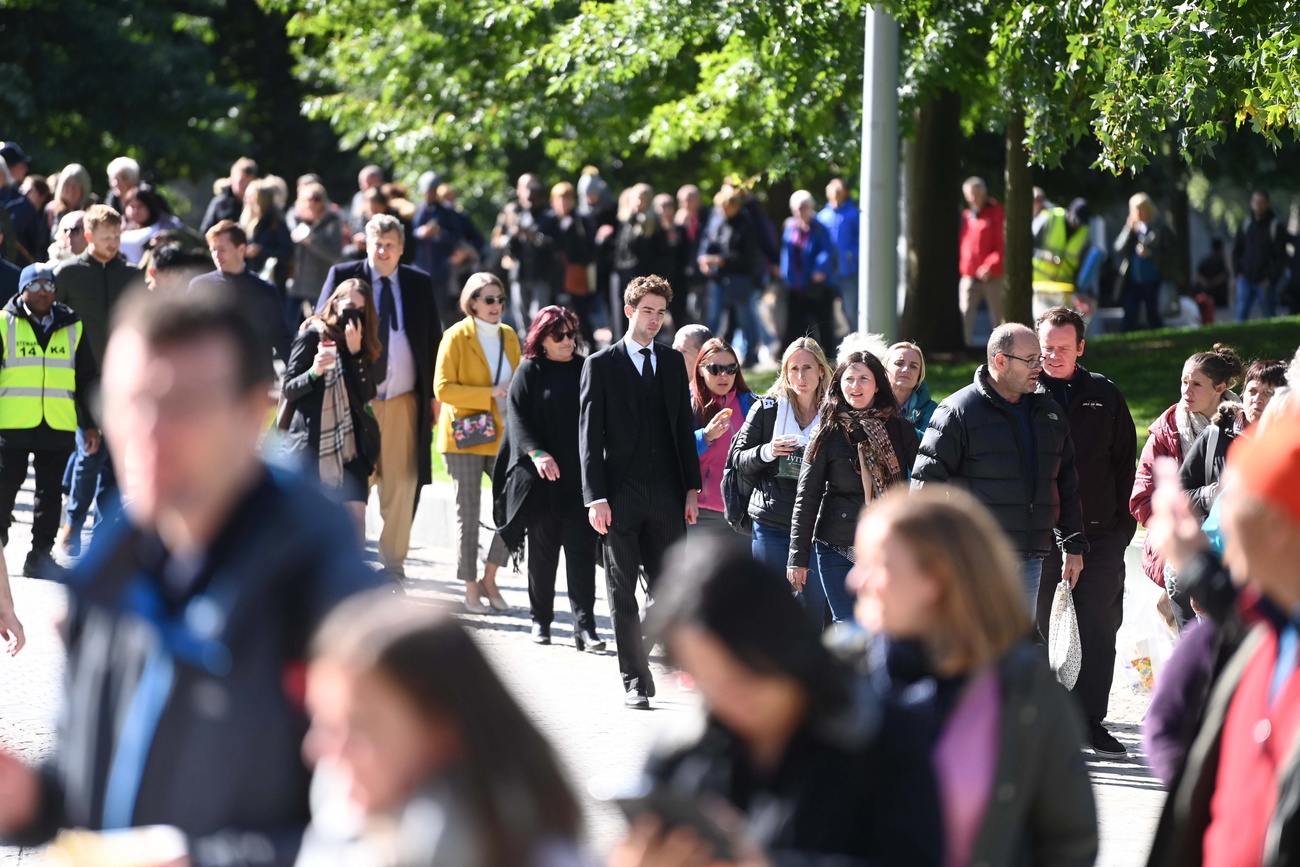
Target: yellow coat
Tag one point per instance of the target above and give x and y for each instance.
(462, 381)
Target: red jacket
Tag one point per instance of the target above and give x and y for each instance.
(1163, 442)
(981, 240)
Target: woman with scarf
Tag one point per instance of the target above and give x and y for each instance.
(906, 366)
(1207, 376)
(328, 384)
(862, 448)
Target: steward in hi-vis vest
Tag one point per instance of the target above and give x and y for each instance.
(46, 371)
(1060, 245)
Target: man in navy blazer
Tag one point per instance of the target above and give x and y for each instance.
(409, 331)
(640, 471)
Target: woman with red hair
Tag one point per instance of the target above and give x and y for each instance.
(720, 400)
(537, 481)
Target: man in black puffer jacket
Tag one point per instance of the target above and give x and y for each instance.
(1008, 443)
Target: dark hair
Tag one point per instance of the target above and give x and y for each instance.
(41, 185)
(705, 409)
(1221, 364)
(1269, 371)
(510, 780)
(152, 201)
(230, 228)
(834, 401)
(1058, 316)
(716, 585)
(176, 318)
(549, 321)
(329, 317)
(651, 284)
(165, 258)
(1260, 191)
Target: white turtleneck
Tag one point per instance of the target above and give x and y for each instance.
(489, 337)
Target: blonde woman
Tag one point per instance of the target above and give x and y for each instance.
(768, 450)
(935, 576)
(476, 360)
(268, 233)
(1140, 248)
(72, 193)
(905, 364)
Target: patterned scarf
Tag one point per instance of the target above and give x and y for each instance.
(874, 451)
(338, 443)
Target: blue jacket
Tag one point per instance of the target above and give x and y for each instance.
(817, 254)
(432, 255)
(918, 409)
(843, 226)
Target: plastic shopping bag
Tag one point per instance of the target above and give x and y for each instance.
(1064, 652)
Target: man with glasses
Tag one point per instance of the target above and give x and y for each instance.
(46, 369)
(1008, 442)
(409, 334)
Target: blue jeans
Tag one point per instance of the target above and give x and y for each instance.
(1248, 292)
(848, 284)
(1031, 575)
(88, 479)
(1138, 295)
(834, 568)
(770, 546)
(735, 292)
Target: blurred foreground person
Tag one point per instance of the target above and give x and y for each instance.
(189, 620)
(1233, 802)
(822, 778)
(936, 576)
(11, 628)
(411, 724)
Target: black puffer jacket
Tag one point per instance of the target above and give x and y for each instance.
(1203, 464)
(830, 496)
(974, 441)
(772, 501)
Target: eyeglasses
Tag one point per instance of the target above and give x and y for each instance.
(722, 369)
(559, 336)
(1036, 361)
(39, 286)
(489, 299)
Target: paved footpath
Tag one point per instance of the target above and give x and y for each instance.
(575, 698)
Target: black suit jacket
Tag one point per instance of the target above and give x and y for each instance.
(265, 303)
(610, 416)
(423, 330)
(9, 274)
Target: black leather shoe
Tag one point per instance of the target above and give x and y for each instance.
(541, 633)
(587, 639)
(636, 699)
(39, 564)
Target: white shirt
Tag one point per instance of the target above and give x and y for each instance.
(489, 337)
(399, 377)
(634, 351)
(787, 423)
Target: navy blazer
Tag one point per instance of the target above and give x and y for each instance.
(610, 417)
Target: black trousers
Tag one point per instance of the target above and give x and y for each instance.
(562, 524)
(48, 508)
(810, 313)
(1099, 606)
(648, 517)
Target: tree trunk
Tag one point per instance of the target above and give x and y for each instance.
(1179, 260)
(1017, 304)
(933, 165)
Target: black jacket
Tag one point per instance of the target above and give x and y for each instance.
(264, 303)
(225, 205)
(9, 274)
(217, 751)
(1201, 482)
(423, 330)
(1259, 250)
(772, 501)
(737, 241)
(974, 441)
(610, 414)
(87, 374)
(1105, 442)
(303, 437)
(830, 494)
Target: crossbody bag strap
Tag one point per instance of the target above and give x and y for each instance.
(501, 354)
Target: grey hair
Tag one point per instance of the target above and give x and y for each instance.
(1003, 338)
(974, 181)
(862, 341)
(6, 177)
(382, 224)
(124, 164)
(799, 198)
(694, 331)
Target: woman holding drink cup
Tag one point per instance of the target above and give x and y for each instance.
(720, 400)
(768, 452)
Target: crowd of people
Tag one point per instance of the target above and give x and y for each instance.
(223, 623)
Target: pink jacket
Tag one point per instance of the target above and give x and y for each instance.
(1163, 442)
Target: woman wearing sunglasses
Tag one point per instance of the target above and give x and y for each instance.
(720, 400)
(537, 483)
(768, 454)
(476, 360)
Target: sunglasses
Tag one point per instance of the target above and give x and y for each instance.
(491, 299)
(722, 369)
(39, 286)
(564, 335)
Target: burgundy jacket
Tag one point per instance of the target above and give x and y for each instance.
(1163, 442)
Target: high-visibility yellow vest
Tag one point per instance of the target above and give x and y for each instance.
(1058, 256)
(38, 382)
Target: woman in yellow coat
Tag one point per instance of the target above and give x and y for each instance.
(476, 359)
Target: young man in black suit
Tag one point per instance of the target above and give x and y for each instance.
(409, 331)
(640, 473)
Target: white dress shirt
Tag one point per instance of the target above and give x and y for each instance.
(634, 350)
(399, 378)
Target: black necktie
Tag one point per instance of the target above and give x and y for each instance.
(647, 368)
(387, 322)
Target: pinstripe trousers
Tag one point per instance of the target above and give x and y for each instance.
(466, 473)
(648, 516)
